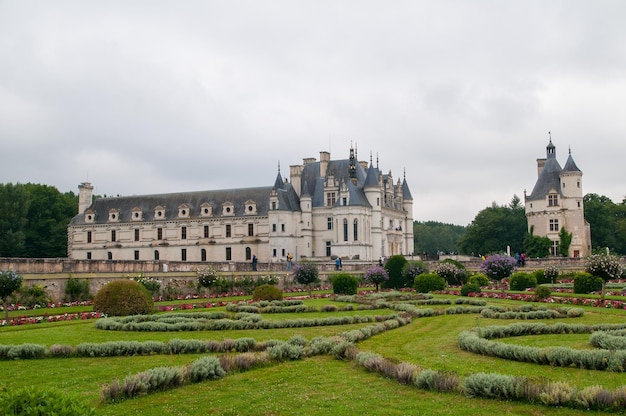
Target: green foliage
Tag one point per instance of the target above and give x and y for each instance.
(38, 402)
(9, 283)
(207, 276)
(206, 368)
(586, 283)
(494, 228)
(394, 266)
(306, 274)
(122, 298)
(468, 288)
(32, 296)
(429, 282)
(14, 203)
(498, 267)
(551, 273)
(344, 284)
(605, 266)
(479, 278)
(522, 281)
(608, 222)
(535, 246)
(565, 240)
(452, 271)
(431, 237)
(267, 292)
(376, 275)
(542, 292)
(411, 269)
(77, 289)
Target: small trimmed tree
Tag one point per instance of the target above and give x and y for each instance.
(306, 274)
(394, 266)
(604, 266)
(376, 275)
(9, 283)
(551, 273)
(498, 267)
(123, 298)
(344, 283)
(207, 277)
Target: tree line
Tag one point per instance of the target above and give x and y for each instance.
(34, 220)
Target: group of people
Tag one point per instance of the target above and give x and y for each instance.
(255, 262)
(520, 259)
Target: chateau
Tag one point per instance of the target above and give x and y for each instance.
(556, 203)
(328, 208)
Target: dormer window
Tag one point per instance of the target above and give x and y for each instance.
(183, 211)
(114, 215)
(90, 216)
(159, 213)
(136, 214)
(250, 208)
(553, 200)
(206, 210)
(228, 209)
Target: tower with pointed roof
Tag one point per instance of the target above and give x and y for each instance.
(556, 203)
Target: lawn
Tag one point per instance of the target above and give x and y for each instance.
(319, 385)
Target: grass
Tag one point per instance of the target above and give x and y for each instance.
(314, 386)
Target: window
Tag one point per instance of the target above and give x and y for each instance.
(159, 233)
(229, 255)
(113, 235)
(554, 225)
(330, 199)
(328, 249)
(203, 254)
(89, 255)
(554, 249)
(578, 204)
(248, 253)
(553, 200)
(274, 228)
(250, 230)
(355, 230)
(183, 233)
(282, 227)
(136, 254)
(283, 252)
(378, 201)
(274, 253)
(344, 201)
(156, 254)
(329, 222)
(136, 234)
(273, 205)
(109, 255)
(345, 230)
(206, 231)
(89, 236)
(228, 230)
(183, 254)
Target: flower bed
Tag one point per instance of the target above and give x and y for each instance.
(25, 320)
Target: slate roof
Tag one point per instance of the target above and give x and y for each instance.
(550, 177)
(313, 184)
(171, 202)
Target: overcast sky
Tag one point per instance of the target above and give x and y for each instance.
(141, 97)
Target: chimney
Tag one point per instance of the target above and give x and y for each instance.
(295, 177)
(324, 159)
(540, 164)
(85, 192)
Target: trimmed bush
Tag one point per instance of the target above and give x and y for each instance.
(470, 288)
(586, 283)
(206, 368)
(394, 266)
(123, 298)
(267, 292)
(542, 292)
(344, 284)
(413, 269)
(34, 402)
(522, 281)
(429, 282)
(479, 279)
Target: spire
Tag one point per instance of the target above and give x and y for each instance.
(550, 149)
(352, 167)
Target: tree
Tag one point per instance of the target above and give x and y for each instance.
(431, 237)
(207, 277)
(14, 202)
(498, 267)
(9, 283)
(394, 266)
(605, 266)
(607, 221)
(565, 240)
(306, 274)
(376, 275)
(535, 246)
(494, 228)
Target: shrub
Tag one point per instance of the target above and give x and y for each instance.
(344, 284)
(584, 282)
(498, 267)
(206, 368)
(429, 282)
(34, 402)
(123, 298)
(267, 292)
(33, 295)
(413, 269)
(541, 277)
(376, 275)
(551, 273)
(522, 281)
(468, 288)
(542, 292)
(306, 274)
(479, 279)
(77, 289)
(9, 283)
(394, 266)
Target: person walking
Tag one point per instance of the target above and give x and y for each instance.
(254, 262)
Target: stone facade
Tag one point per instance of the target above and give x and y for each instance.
(328, 208)
(556, 202)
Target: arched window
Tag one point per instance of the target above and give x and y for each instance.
(248, 253)
(355, 230)
(156, 254)
(203, 254)
(345, 230)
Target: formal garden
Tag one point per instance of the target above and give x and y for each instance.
(400, 340)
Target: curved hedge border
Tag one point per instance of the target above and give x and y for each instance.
(217, 321)
(478, 341)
